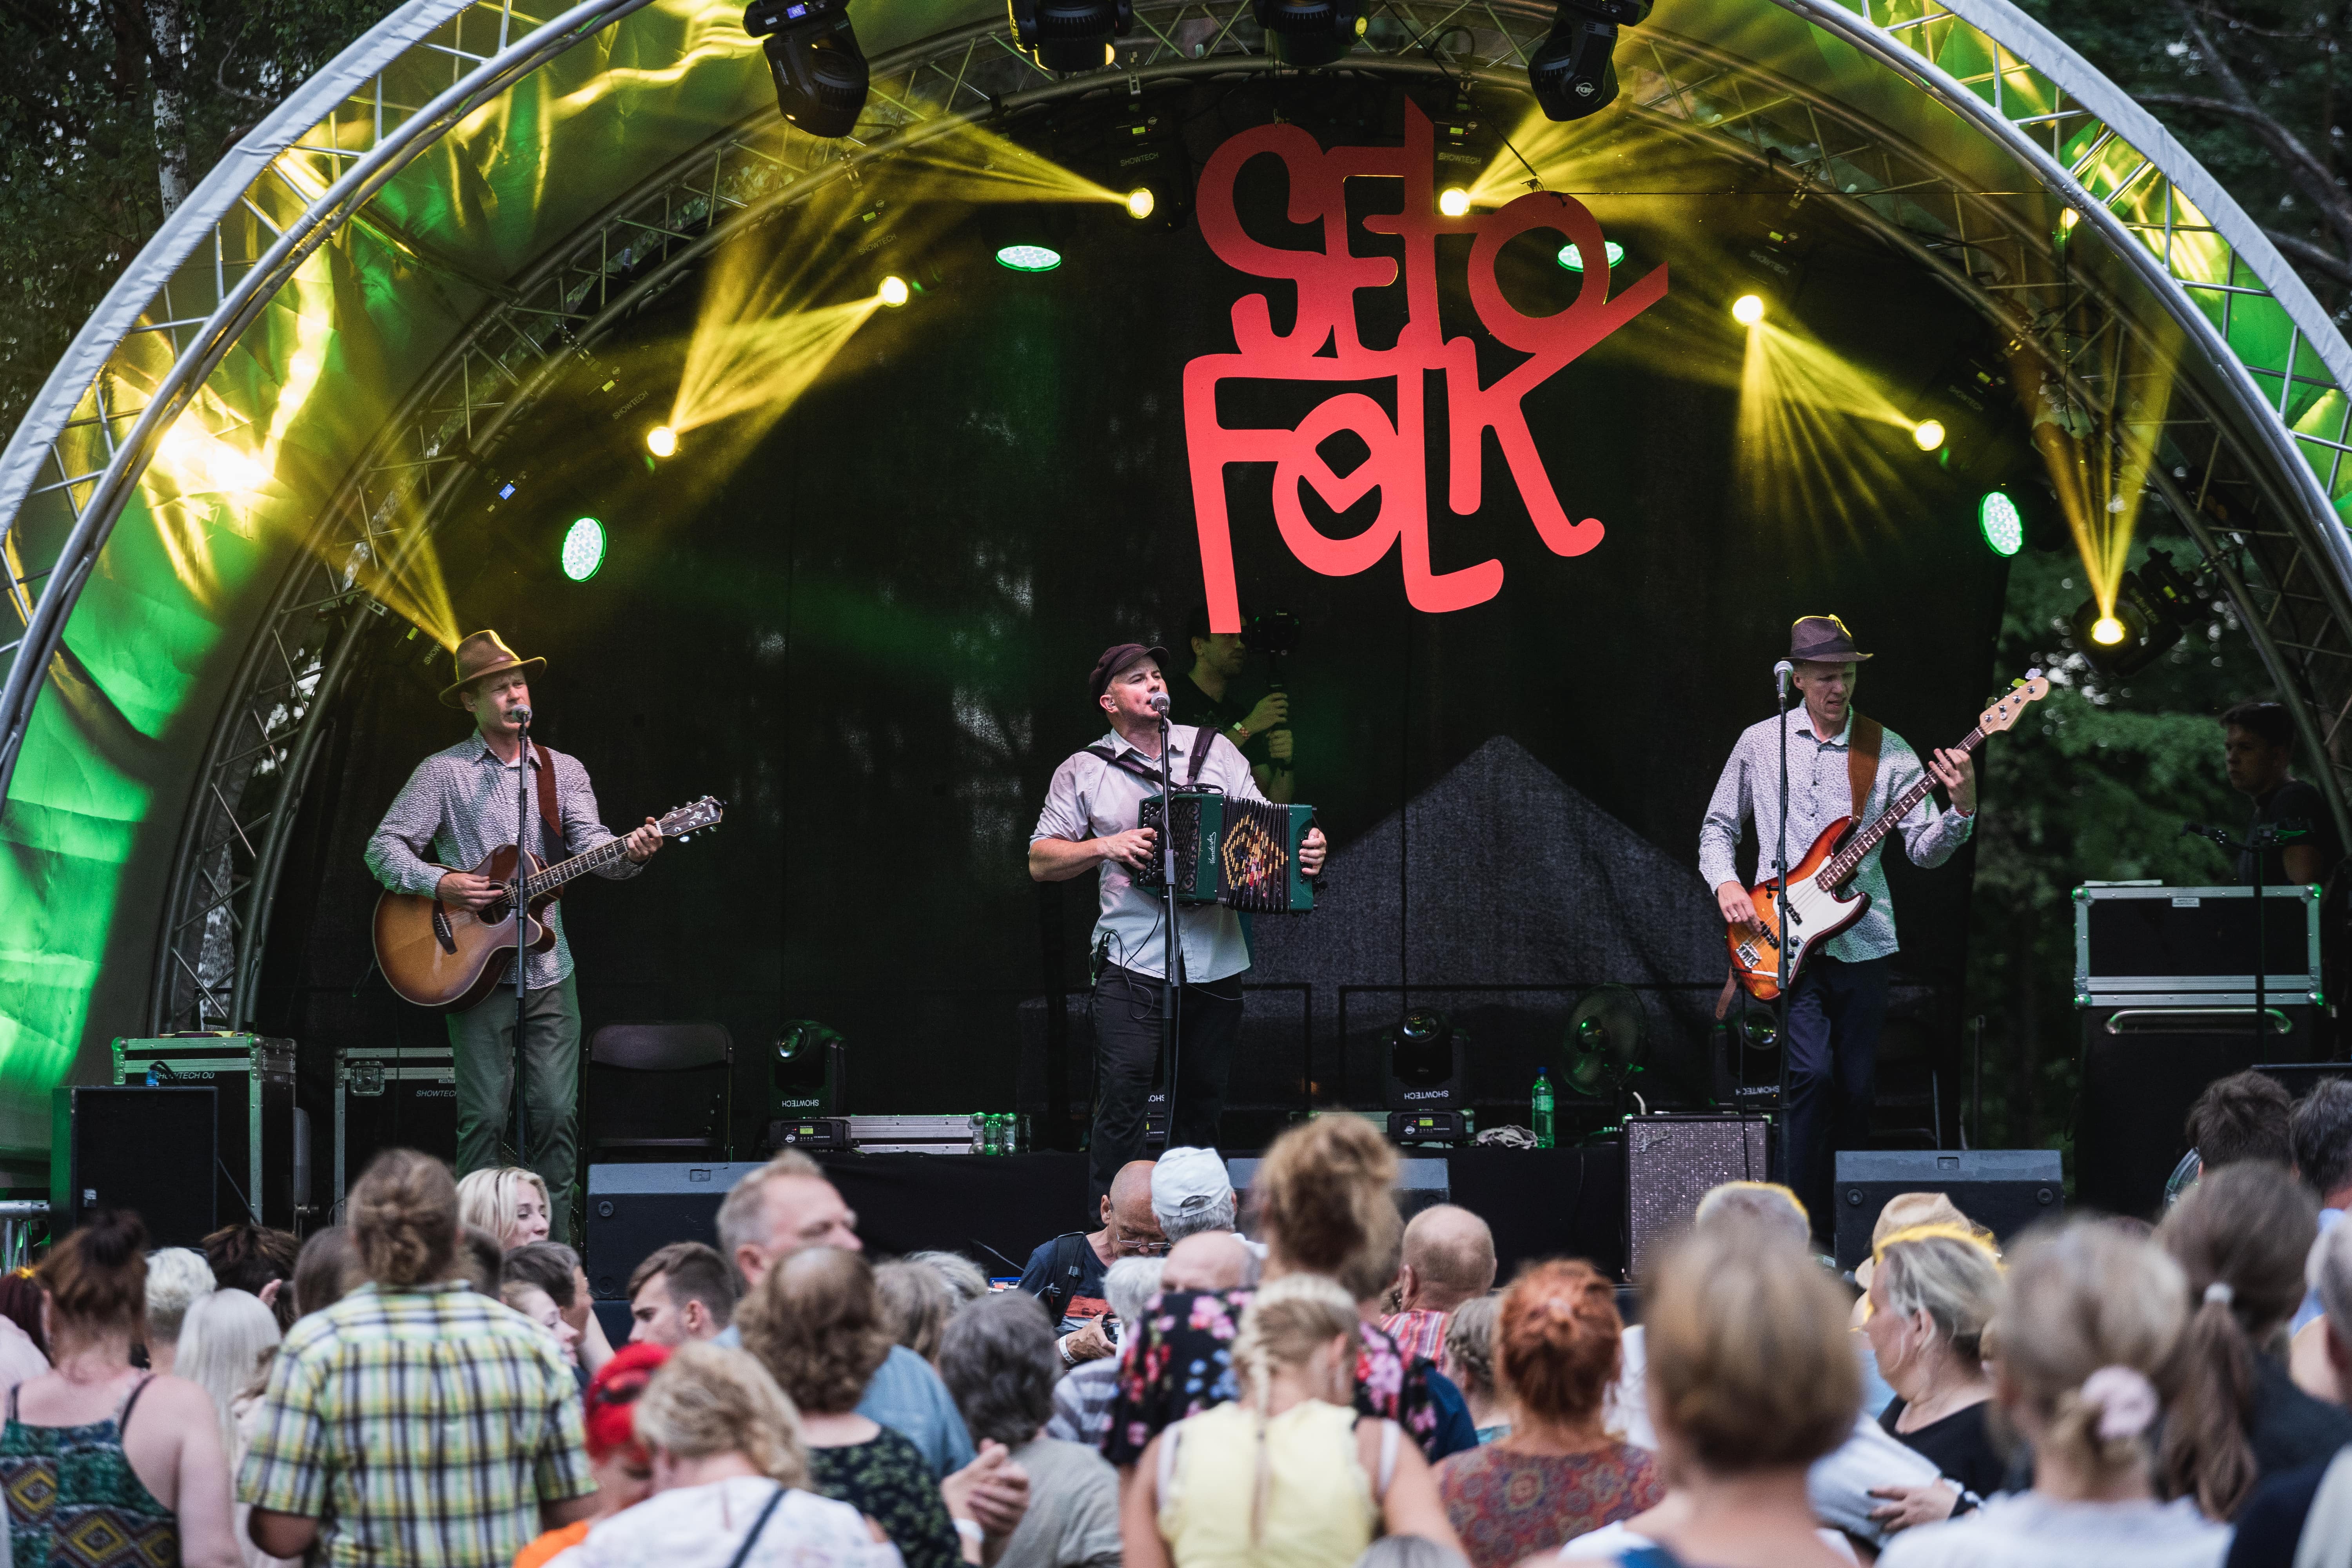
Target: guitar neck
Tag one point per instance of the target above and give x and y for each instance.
(1845, 862)
(562, 871)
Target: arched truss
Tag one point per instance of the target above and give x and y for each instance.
(2164, 310)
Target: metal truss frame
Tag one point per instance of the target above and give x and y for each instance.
(2214, 438)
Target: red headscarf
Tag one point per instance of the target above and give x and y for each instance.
(614, 1391)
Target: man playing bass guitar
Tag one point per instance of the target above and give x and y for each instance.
(1839, 764)
(459, 805)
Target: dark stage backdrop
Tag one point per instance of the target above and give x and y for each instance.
(868, 629)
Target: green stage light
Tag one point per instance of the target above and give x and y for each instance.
(2002, 524)
(1029, 257)
(583, 548)
(1573, 259)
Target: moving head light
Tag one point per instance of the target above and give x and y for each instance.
(821, 77)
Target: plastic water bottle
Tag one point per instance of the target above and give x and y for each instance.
(1542, 1097)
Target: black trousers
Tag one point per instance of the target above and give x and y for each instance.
(1834, 1013)
(1127, 1049)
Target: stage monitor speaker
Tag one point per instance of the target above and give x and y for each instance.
(2144, 1065)
(2004, 1190)
(154, 1150)
(634, 1209)
(1670, 1163)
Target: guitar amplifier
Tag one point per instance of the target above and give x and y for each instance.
(2005, 1190)
(392, 1097)
(2144, 940)
(1242, 854)
(1670, 1163)
(262, 1143)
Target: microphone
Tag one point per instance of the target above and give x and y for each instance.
(1159, 701)
(1781, 674)
(522, 716)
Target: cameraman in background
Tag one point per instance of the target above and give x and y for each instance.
(1209, 695)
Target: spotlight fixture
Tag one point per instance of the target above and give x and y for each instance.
(1028, 258)
(2001, 523)
(1748, 310)
(661, 441)
(2144, 623)
(2107, 630)
(1928, 434)
(1572, 73)
(1310, 33)
(821, 77)
(1069, 34)
(583, 548)
(1453, 201)
(1573, 259)
(1140, 202)
(893, 292)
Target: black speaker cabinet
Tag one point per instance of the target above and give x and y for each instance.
(2144, 1065)
(130, 1147)
(634, 1209)
(1670, 1163)
(2004, 1189)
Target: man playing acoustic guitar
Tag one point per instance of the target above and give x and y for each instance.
(458, 806)
(1839, 764)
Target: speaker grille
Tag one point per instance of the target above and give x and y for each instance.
(1670, 1163)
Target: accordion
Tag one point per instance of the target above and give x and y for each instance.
(1242, 854)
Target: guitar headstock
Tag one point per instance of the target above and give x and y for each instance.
(2005, 712)
(693, 817)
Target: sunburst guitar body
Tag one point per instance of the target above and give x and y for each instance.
(1822, 900)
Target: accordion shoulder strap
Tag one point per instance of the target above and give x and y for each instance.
(1202, 739)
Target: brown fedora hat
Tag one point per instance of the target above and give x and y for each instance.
(484, 653)
(1823, 639)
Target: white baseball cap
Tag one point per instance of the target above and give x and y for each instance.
(1185, 1180)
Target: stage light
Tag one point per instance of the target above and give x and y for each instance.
(813, 53)
(1453, 201)
(1573, 258)
(583, 548)
(1140, 202)
(1748, 310)
(661, 441)
(893, 292)
(2003, 525)
(1029, 257)
(1069, 34)
(1310, 33)
(2107, 630)
(2128, 638)
(1928, 434)
(1572, 73)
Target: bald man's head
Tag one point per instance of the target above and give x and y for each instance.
(1127, 1209)
(1212, 1260)
(1449, 1258)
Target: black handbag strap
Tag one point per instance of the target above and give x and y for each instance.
(743, 1553)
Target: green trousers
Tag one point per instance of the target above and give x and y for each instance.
(482, 1045)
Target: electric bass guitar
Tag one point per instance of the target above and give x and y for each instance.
(1821, 901)
(446, 956)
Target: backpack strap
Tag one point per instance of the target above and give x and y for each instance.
(1862, 759)
(1062, 1275)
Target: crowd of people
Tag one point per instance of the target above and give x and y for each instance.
(429, 1384)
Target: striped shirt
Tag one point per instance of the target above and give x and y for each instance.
(1419, 1333)
(1819, 792)
(424, 1428)
(459, 805)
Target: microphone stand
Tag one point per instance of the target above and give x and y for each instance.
(1780, 947)
(2262, 835)
(520, 897)
(1171, 947)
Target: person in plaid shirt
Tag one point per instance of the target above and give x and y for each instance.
(414, 1424)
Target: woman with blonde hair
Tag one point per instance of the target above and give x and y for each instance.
(1933, 1290)
(731, 1480)
(1325, 1203)
(2090, 1324)
(1288, 1476)
(226, 1343)
(508, 1202)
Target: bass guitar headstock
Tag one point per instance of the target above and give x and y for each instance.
(693, 817)
(2011, 705)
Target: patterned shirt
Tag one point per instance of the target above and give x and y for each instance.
(886, 1479)
(1820, 793)
(424, 1428)
(1420, 1332)
(459, 805)
(1090, 798)
(1507, 1507)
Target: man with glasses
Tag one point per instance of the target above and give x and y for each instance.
(1066, 1273)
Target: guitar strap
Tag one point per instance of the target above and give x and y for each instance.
(546, 771)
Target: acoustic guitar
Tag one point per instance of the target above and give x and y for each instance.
(446, 956)
(1821, 902)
